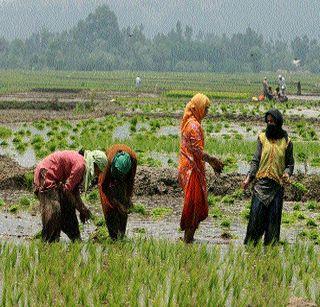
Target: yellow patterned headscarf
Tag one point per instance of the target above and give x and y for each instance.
(92, 157)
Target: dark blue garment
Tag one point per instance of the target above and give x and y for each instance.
(265, 220)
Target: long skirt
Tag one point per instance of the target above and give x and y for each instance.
(58, 214)
(195, 204)
(265, 220)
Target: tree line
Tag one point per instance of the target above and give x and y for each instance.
(98, 43)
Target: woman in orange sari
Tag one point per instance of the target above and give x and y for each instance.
(192, 166)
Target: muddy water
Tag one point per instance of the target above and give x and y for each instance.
(25, 226)
(308, 113)
(121, 132)
(168, 130)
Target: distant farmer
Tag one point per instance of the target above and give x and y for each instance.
(192, 166)
(138, 82)
(267, 91)
(57, 179)
(116, 188)
(282, 85)
(271, 167)
(299, 88)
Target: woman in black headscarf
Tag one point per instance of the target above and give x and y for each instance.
(271, 166)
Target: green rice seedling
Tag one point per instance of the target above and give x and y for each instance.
(314, 235)
(2, 202)
(311, 223)
(140, 230)
(21, 147)
(213, 200)
(228, 199)
(28, 180)
(93, 196)
(37, 139)
(13, 208)
(312, 205)
(17, 139)
(215, 212)
(100, 222)
(5, 132)
(230, 164)
(172, 163)
(100, 235)
(296, 207)
(288, 218)
(139, 208)
(25, 201)
(245, 213)
(299, 189)
(161, 212)
(4, 143)
(300, 215)
(226, 223)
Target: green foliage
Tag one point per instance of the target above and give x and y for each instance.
(25, 201)
(28, 180)
(226, 223)
(93, 196)
(139, 208)
(5, 132)
(132, 273)
(212, 95)
(312, 205)
(299, 189)
(215, 212)
(161, 212)
(312, 223)
(13, 208)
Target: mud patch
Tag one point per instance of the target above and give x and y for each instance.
(164, 181)
(12, 174)
(300, 302)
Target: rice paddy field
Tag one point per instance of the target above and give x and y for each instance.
(46, 111)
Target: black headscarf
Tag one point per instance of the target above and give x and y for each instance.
(275, 131)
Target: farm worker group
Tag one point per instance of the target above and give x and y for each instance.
(59, 176)
(279, 94)
(57, 181)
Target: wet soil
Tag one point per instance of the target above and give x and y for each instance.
(300, 302)
(163, 181)
(18, 107)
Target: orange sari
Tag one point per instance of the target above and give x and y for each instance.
(191, 166)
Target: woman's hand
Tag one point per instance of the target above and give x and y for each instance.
(286, 178)
(216, 164)
(245, 183)
(85, 215)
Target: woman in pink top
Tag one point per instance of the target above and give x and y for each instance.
(57, 179)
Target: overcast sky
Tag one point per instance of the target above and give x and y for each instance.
(272, 18)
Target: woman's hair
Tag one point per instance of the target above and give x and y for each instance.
(81, 152)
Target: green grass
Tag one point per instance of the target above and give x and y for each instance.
(5, 132)
(212, 95)
(139, 208)
(161, 212)
(25, 201)
(158, 273)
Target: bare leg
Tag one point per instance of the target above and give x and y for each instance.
(189, 234)
(51, 215)
(69, 220)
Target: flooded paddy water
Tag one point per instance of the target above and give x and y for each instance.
(156, 187)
